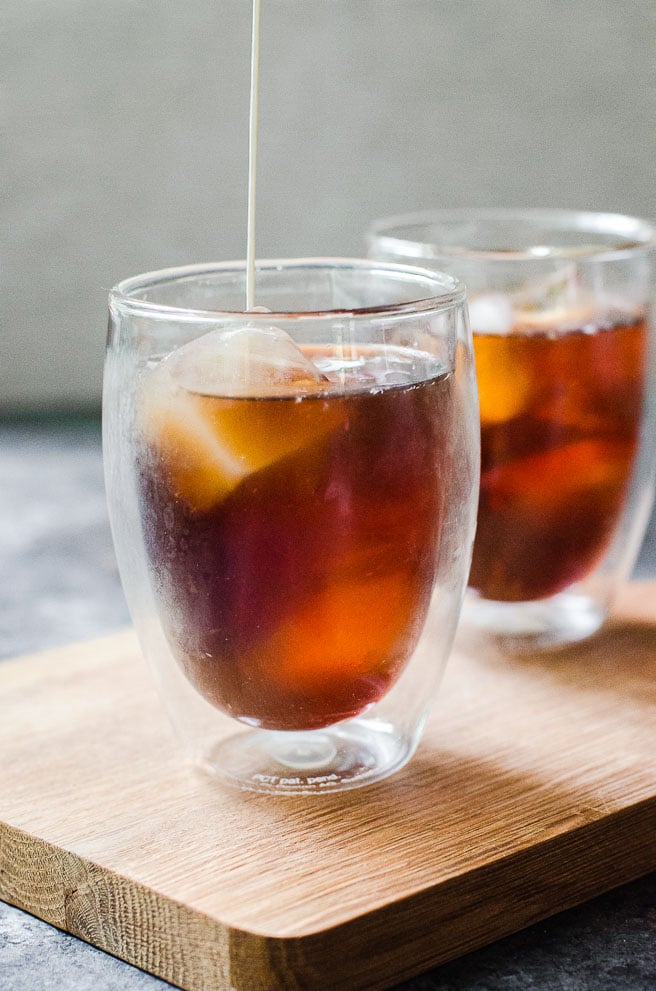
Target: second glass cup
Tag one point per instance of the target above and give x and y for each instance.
(292, 494)
(559, 306)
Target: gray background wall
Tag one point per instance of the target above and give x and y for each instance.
(126, 139)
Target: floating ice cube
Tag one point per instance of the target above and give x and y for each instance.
(195, 413)
(491, 313)
(246, 362)
(559, 320)
(180, 428)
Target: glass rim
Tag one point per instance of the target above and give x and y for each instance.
(638, 234)
(450, 290)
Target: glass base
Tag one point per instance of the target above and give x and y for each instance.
(555, 622)
(348, 755)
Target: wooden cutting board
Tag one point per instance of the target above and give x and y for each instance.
(534, 789)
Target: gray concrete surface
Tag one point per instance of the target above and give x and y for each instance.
(61, 584)
(125, 139)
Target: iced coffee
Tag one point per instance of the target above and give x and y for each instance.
(292, 501)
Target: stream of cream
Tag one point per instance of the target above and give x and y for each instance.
(252, 155)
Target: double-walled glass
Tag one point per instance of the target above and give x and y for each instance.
(559, 306)
(292, 494)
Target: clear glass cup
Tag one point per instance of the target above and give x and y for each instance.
(292, 495)
(559, 305)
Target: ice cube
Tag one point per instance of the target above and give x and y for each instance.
(248, 362)
(505, 377)
(178, 428)
(558, 320)
(491, 313)
(196, 417)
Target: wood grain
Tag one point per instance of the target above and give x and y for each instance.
(534, 789)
